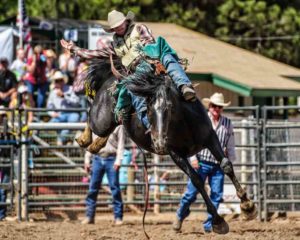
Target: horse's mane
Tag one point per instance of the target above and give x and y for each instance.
(144, 85)
(98, 72)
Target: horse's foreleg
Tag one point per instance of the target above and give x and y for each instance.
(219, 224)
(248, 208)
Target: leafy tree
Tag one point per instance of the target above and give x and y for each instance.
(8, 8)
(267, 29)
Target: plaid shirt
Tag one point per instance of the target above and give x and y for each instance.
(105, 47)
(224, 130)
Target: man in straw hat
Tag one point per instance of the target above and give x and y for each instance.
(206, 165)
(62, 96)
(128, 39)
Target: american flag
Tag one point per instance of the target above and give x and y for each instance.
(24, 29)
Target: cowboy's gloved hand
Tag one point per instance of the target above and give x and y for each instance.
(67, 45)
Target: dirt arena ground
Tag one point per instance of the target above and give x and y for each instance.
(158, 227)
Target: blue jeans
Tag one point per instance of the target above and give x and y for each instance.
(65, 117)
(175, 71)
(83, 104)
(99, 168)
(41, 92)
(3, 193)
(215, 177)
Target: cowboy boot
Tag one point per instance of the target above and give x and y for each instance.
(97, 144)
(85, 139)
(188, 93)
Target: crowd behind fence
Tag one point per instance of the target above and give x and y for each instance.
(45, 177)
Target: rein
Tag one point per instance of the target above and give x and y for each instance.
(115, 72)
(147, 190)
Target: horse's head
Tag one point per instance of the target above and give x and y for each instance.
(155, 89)
(159, 114)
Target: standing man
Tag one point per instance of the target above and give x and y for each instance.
(108, 161)
(206, 165)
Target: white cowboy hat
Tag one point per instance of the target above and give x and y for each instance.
(116, 18)
(217, 99)
(59, 75)
(22, 89)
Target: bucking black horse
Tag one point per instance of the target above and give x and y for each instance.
(178, 128)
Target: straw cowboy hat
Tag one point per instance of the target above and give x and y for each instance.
(217, 99)
(58, 75)
(50, 53)
(116, 18)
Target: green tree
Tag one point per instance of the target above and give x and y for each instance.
(267, 29)
(8, 8)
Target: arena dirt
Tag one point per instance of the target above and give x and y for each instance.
(158, 227)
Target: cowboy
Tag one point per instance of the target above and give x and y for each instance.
(128, 40)
(206, 165)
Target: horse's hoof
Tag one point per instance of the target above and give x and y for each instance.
(221, 227)
(249, 210)
(82, 142)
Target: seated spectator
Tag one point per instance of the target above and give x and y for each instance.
(35, 79)
(18, 67)
(26, 102)
(67, 65)
(62, 96)
(8, 83)
(78, 86)
(51, 67)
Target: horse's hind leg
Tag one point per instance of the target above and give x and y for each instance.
(97, 144)
(248, 208)
(85, 139)
(219, 224)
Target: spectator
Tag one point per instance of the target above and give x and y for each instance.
(108, 161)
(78, 86)
(67, 64)
(206, 165)
(35, 79)
(51, 67)
(26, 102)
(8, 83)
(18, 66)
(62, 96)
